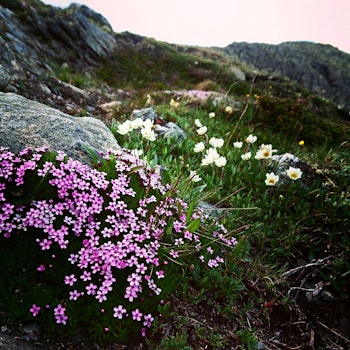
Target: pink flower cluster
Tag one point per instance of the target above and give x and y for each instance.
(194, 94)
(121, 223)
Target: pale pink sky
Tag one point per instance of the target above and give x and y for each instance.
(221, 22)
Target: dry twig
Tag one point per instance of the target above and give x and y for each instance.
(320, 262)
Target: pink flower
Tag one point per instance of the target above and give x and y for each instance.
(148, 320)
(70, 280)
(119, 311)
(41, 268)
(136, 315)
(60, 316)
(34, 309)
(160, 274)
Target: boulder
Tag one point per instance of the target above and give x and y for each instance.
(26, 123)
(161, 128)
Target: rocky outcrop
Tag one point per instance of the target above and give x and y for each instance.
(25, 123)
(321, 69)
(36, 42)
(74, 35)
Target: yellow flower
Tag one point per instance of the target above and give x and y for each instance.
(294, 173)
(301, 143)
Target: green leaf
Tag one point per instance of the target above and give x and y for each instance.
(190, 209)
(194, 194)
(165, 176)
(95, 157)
(194, 225)
(24, 199)
(136, 168)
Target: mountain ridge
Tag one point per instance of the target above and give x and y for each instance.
(322, 69)
(44, 48)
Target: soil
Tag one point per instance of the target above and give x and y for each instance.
(321, 322)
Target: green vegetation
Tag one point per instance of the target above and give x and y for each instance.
(278, 226)
(292, 225)
(65, 73)
(141, 63)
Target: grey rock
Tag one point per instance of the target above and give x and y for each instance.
(25, 123)
(261, 346)
(322, 69)
(99, 41)
(171, 130)
(161, 128)
(210, 209)
(282, 162)
(4, 78)
(238, 73)
(30, 329)
(77, 35)
(145, 113)
(11, 88)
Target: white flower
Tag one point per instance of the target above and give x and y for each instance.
(148, 134)
(211, 156)
(206, 161)
(137, 123)
(137, 152)
(149, 99)
(199, 147)
(125, 127)
(238, 144)
(251, 138)
(202, 130)
(173, 103)
(246, 156)
(271, 179)
(220, 162)
(211, 115)
(294, 173)
(216, 143)
(198, 123)
(194, 176)
(228, 109)
(148, 123)
(264, 152)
